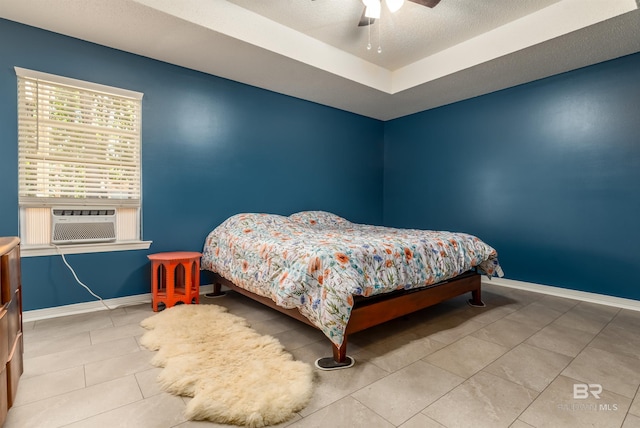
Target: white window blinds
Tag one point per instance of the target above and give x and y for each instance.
(78, 142)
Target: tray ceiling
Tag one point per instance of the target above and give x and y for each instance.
(314, 50)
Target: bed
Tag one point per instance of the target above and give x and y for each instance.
(343, 277)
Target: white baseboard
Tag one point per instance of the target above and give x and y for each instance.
(80, 308)
(601, 299)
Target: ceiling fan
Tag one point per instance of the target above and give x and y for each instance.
(372, 8)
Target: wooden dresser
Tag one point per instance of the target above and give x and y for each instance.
(11, 348)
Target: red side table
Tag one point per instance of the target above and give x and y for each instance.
(175, 278)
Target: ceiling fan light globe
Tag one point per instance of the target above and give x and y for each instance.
(373, 10)
(394, 5)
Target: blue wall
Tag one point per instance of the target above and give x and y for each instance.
(211, 148)
(548, 173)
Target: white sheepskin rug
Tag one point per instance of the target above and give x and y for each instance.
(235, 375)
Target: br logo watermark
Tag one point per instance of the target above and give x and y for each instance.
(583, 391)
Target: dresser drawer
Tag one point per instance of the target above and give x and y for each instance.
(13, 322)
(9, 274)
(14, 369)
(4, 328)
(4, 402)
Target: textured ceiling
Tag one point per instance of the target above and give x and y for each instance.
(412, 33)
(314, 50)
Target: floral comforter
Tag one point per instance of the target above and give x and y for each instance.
(316, 261)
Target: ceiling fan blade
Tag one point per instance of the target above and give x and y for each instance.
(428, 3)
(364, 21)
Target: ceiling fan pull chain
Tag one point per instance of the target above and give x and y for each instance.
(369, 28)
(379, 45)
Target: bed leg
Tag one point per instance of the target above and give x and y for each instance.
(217, 290)
(476, 299)
(340, 360)
(340, 352)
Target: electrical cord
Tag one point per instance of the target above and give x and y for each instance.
(80, 282)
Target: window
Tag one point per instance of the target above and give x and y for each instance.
(78, 149)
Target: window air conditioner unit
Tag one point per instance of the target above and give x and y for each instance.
(79, 225)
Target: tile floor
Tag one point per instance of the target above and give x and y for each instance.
(514, 363)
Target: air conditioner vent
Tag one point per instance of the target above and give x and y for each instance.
(82, 211)
(73, 225)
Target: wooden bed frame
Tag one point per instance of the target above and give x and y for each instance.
(371, 311)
